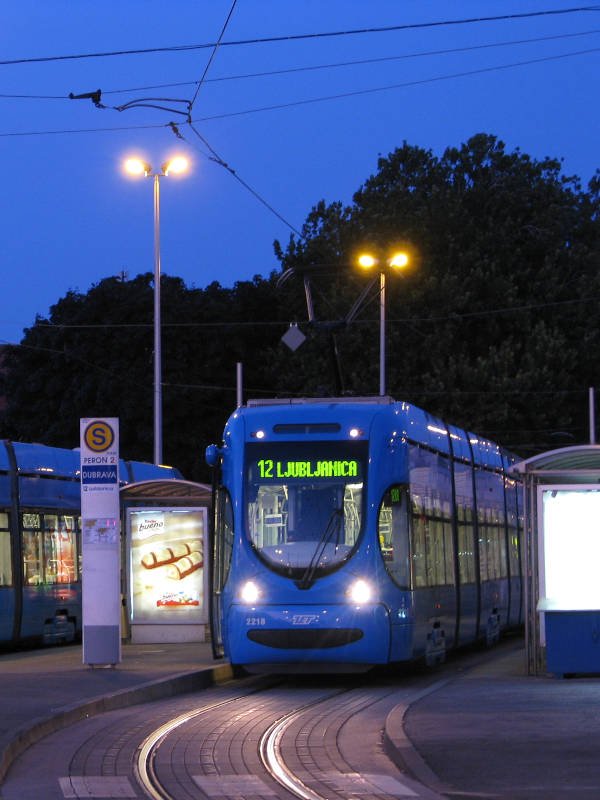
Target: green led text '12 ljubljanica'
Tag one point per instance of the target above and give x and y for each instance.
(327, 468)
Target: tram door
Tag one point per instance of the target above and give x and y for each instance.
(220, 549)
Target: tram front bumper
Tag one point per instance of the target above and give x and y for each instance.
(332, 634)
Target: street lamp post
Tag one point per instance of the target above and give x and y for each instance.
(137, 167)
(397, 261)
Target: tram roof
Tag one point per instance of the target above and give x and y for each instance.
(298, 401)
(579, 461)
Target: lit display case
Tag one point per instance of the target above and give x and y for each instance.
(569, 585)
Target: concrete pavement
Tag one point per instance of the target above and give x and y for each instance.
(42, 691)
(487, 731)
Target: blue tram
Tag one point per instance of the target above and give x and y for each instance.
(40, 540)
(355, 532)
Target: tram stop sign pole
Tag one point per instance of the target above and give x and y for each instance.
(100, 522)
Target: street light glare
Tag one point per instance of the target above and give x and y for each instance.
(136, 167)
(399, 260)
(178, 164)
(366, 261)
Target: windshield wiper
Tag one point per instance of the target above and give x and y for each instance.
(333, 526)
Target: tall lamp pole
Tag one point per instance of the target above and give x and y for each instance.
(137, 167)
(397, 261)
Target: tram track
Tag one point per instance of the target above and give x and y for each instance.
(144, 764)
(269, 747)
(309, 777)
(271, 755)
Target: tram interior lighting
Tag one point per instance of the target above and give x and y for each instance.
(250, 592)
(435, 429)
(360, 592)
(571, 549)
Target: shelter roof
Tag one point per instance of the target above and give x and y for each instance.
(168, 490)
(580, 462)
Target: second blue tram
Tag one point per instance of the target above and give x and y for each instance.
(40, 540)
(349, 533)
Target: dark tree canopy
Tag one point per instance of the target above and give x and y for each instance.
(492, 325)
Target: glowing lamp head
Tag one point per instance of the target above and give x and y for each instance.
(399, 260)
(135, 166)
(177, 165)
(367, 261)
(250, 593)
(360, 592)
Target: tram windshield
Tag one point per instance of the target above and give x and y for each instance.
(304, 504)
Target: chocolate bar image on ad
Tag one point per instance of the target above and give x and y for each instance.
(184, 566)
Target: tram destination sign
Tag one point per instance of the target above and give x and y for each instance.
(269, 469)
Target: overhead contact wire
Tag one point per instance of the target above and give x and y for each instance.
(302, 36)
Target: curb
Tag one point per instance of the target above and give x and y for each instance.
(146, 692)
(402, 751)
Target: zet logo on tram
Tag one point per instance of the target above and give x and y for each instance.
(99, 436)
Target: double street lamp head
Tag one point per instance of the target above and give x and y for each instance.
(177, 165)
(396, 260)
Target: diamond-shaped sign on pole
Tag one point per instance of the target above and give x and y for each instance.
(293, 337)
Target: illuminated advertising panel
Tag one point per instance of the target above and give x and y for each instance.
(569, 548)
(167, 547)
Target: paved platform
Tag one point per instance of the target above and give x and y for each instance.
(488, 731)
(42, 691)
(495, 732)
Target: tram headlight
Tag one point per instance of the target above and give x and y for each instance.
(360, 592)
(250, 593)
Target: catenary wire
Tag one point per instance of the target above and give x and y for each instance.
(264, 323)
(212, 56)
(218, 160)
(316, 67)
(420, 82)
(273, 391)
(304, 36)
(308, 101)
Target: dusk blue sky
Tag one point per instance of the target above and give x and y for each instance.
(69, 215)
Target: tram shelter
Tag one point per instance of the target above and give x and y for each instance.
(562, 560)
(164, 582)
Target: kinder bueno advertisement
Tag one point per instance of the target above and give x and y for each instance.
(167, 564)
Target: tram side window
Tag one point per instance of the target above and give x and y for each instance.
(393, 534)
(490, 517)
(60, 549)
(32, 549)
(5, 559)
(431, 502)
(50, 548)
(463, 479)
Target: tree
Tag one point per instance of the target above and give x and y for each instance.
(93, 356)
(491, 328)
(487, 329)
